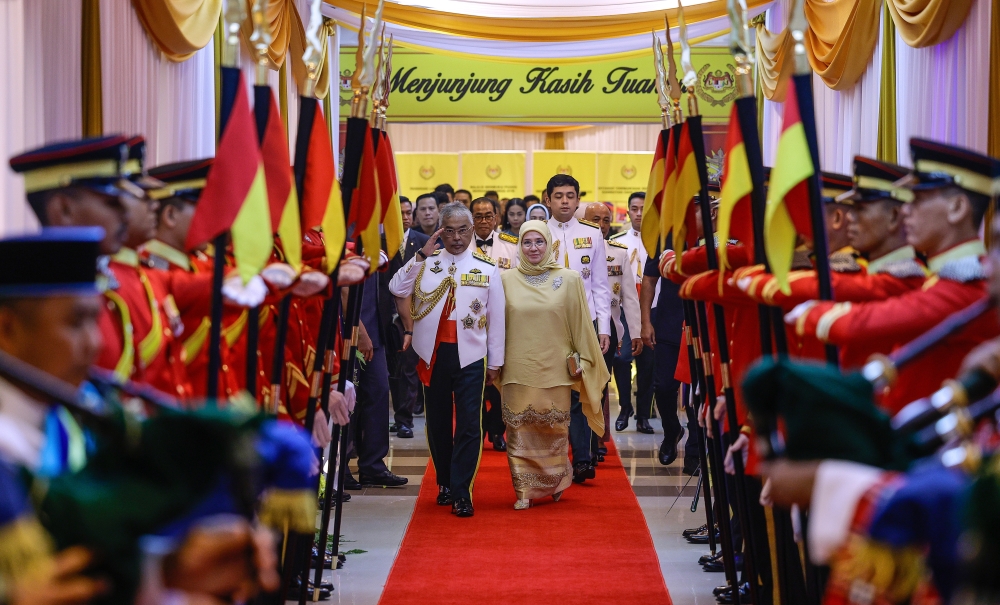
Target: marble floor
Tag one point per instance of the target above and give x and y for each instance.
(376, 518)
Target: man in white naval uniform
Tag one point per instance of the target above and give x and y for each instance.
(578, 247)
(644, 361)
(502, 249)
(458, 332)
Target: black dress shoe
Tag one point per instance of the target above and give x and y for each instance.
(325, 589)
(393, 427)
(668, 449)
(642, 425)
(499, 443)
(600, 457)
(721, 589)
(383, 479)
(694, 530)
(346, 498)
(622, 422)
(726, 598)
(404, 432)
(583, 471)
(701, 538)
(462, 507)
(706, 558)
(351, 483)
(444, 496)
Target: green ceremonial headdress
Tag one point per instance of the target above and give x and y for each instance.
(825, 414)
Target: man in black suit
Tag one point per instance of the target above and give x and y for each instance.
(403, 382)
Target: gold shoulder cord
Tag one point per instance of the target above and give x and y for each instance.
(428, 300)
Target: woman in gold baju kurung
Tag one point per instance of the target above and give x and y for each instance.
(547, 321)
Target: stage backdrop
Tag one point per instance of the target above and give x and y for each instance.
(619, 175)
(500, 171)
(581, 165)
(444, 88)
(421, 172)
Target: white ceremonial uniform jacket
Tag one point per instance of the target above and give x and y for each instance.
(503, 251)
(581, 248)
(636, 251)
(623, 291)
(479, 304)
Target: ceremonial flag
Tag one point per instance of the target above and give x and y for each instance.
(735, 212)
(363, 217)
(388, 189)
(322, 205)
(787, 210)
(688, 185)
(235, 194)
(670, 183)
(651, 208)
(284, 202)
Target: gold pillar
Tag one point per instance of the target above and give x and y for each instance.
(283, 94)
(887, 91)
(92, 105)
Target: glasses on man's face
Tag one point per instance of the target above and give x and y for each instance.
(460, 232)
(479, 218)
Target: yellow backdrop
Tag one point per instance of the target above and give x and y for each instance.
(500, 171)
(422, 172)
(581, 165)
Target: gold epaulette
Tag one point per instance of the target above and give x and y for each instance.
(508, 238)
(617, 244)
(588, 223)
(617, 235)
(484, 258)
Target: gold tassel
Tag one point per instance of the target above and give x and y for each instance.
(294, 509)
(25, 549)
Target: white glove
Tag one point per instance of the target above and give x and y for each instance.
(801, 309)
(278, 275)
(765, 494)
(339, 413)
(322, 434)
(352, 273)
(352, 396)
(383, 258)
(310, 283)
(251, 294)
(741, 444)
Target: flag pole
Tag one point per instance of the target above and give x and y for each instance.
(802, 81)
(230, 77)
(697, 335)
(698, 147)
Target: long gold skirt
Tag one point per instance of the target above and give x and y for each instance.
(537, 439)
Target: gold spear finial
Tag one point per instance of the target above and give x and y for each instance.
(798, 24)
(673, 86)
(690, 76)
(359, 53)
(387, 76)
(662, 98)
(739, 45)
(260, 40)
(364, 70)
(378, 89)
(232, 21)
(313, 56)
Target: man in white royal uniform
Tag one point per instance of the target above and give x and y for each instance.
(578, 247)
(644, 361)
(458, 332)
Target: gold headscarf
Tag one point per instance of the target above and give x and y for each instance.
(548, 262)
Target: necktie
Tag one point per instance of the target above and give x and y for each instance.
(482, 243)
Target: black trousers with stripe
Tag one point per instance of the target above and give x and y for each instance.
(455, 392)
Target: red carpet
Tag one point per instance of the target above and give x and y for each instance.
(591, 547)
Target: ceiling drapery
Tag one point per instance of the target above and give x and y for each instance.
(178, 28)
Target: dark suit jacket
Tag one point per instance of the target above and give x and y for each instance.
(415, 240)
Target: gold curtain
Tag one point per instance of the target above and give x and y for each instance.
(92, 104)
(297, 48)
(555, 140)
(841, 39)
(886, 143)
(179, 28)
(993, 145)
(928, 22)
(282, 17)
(775, 62)
(554, 29)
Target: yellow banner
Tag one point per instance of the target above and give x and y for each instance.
(619, 175)
(437, 87)
(420, 173)
(581, 165)
(500, 171)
